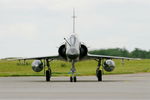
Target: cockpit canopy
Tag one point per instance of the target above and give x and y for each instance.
(73, 40)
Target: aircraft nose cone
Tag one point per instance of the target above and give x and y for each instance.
(73, 53)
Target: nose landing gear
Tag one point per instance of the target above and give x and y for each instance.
(73, 77)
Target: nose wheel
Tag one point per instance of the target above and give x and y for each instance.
(73, 79)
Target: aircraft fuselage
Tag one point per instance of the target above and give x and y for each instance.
(73, 47)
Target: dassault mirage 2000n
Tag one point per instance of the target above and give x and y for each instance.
(73, 51)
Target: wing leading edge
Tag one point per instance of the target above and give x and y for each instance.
(57, 57)
(89, 56)
(92, 56)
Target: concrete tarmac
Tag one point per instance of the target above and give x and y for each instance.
(113, 87)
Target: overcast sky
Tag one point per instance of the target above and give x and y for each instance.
(37, 27)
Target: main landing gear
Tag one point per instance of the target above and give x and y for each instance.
(73, 77)
(48, 71)
(99, 71)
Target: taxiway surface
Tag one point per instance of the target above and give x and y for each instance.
(113, 87)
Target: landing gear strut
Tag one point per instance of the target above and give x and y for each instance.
(73, 70)
(99, 71)
(48, 71)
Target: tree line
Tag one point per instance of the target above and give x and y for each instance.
(136, 53)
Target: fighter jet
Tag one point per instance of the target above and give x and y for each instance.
(73, 50)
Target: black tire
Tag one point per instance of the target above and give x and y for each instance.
(47, 75)
(99, 75)
(75, 79)
(71, 79)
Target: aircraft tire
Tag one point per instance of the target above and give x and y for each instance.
(47, 75)
(71, 79)
(99, 75)
(75, 79)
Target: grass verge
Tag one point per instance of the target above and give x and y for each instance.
(84, 68)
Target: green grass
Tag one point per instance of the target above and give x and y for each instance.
(60, 68)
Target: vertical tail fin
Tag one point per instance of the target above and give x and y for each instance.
(73, 20)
